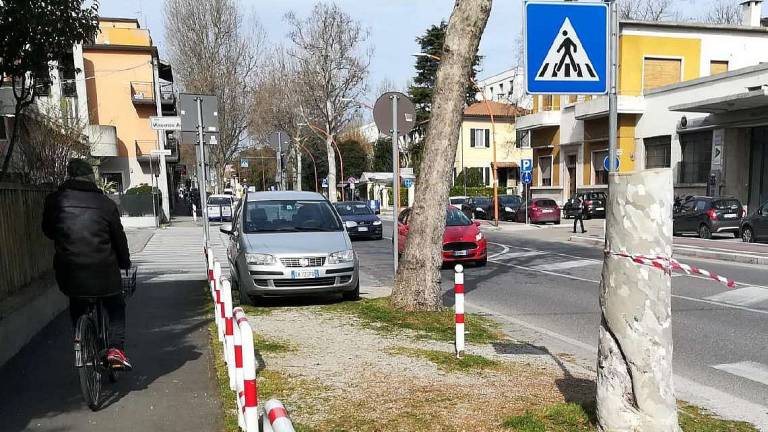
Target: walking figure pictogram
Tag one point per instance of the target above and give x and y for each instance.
(566, 48)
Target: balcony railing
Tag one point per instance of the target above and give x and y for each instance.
(142, 92)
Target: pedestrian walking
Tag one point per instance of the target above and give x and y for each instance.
(578, 204)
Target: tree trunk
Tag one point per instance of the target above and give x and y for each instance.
(417, 283)
(17, 122)
(634, 365)
(331, 170)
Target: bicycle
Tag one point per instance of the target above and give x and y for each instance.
(91, 344)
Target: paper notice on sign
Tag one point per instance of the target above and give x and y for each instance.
(566, 59)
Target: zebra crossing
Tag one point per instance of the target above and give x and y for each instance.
(176, 254)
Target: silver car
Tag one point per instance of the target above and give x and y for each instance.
(290, 243)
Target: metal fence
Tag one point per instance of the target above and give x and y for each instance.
(25, 253)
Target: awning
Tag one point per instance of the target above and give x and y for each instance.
(740, 101)
(505, 165)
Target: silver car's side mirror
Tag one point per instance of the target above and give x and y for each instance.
(226, 229)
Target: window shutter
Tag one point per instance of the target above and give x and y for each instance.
(659, 72)
(472, 137)
(487, 138)
(487, 176)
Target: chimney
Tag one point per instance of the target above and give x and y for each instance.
(751, 10)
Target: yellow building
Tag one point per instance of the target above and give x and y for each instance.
(475, 150)
(126, 84)
(569, 134)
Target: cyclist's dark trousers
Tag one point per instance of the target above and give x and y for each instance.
(579, 219)
(115, 306)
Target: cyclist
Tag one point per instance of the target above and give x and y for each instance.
(91, 248)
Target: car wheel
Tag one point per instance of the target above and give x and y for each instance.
(245, 299)
(736, 235)
(705, 232)
(747, 235)
(353, 295)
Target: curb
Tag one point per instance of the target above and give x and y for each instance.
(691, 252)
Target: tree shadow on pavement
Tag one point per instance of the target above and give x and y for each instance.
(166, 325)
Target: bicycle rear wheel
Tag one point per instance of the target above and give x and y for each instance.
(89, 367)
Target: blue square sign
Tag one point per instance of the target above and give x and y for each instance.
(566, 47)
(526, 165)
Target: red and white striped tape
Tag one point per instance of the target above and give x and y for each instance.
(458, 289)
(668, 264)
(218, 305)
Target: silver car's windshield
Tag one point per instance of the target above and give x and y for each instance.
(289, 215)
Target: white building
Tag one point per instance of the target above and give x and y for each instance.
(506, 87)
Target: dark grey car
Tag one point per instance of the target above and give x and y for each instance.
(707, 215)
(755, 227)
(290, 243)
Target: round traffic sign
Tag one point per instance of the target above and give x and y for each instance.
(406, 113)
(408, 183)
(605, 164)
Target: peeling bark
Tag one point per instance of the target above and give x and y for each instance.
(634, 365)
(417, 283)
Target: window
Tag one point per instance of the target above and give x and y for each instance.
(572, 99)
(547, 102)
(545, 171)
(290, 216)
(700, 205)
(599, 172)
(658, 72)
(658, 152)
(718, 67)
(696, 161)
(487, 176)
(116, 178)
(480, 138)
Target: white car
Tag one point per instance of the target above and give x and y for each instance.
(220, 207)
(457, 201)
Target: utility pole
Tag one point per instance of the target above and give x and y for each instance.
(395, 181)
(613, 115)
(203, 168)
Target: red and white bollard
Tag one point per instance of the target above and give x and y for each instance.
(229, 331)
(276, 417)
(250, 399)
(218, 305)
(459, 308)
(237, 315)
(209, 260)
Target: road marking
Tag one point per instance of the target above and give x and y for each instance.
(752, 371)
(505, 250)
(748, 296)
(548, 252)
(521, 254)
(565, 265)
(567, 276)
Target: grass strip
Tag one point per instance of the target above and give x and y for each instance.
(448, 362)
(264, 345)
(571, 417)
(378, 314)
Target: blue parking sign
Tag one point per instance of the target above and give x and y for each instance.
(526, 165)
(566, 47)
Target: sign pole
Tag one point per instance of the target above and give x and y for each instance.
(613, 116)
(395, 181)
(202, 180)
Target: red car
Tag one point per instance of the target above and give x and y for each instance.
(462, 239)
(541, 210)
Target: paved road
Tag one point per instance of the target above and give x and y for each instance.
(550, 289)
(171, 388)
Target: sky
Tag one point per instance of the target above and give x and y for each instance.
(393, 25)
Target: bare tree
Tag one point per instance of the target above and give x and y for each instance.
(332, 61)
(648, 10)
(417, 283)
(47, 141)
(214, 50)
(724, 12)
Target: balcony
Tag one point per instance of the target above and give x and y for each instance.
(539, 120)
(103, 140)
(598, 107)
(142, 93)
(167, 94)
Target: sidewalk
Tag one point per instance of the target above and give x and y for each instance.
(171, 387)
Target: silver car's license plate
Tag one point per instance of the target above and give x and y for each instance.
(460, 253)
(362, 229)
(305, 274)
(730, 216)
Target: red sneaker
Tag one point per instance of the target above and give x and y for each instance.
(117, 359)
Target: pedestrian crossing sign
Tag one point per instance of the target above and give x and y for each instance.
(566, 47)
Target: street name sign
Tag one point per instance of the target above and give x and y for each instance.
(566, 47)
(163, 152)
(526, 178)
(165, 123)
(526, 165)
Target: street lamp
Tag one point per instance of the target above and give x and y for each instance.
(336, 146)
(493, 141)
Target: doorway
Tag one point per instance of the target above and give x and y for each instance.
(758, 172)
(570, 166)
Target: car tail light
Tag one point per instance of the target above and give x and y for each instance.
(712, 214)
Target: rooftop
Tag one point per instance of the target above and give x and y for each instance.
(480, 109)
(694, 26)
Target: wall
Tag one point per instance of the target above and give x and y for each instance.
(482, 157)
(26, 253)
(110, 103)
(633, 49)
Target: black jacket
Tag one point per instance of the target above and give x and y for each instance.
(90, 243)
